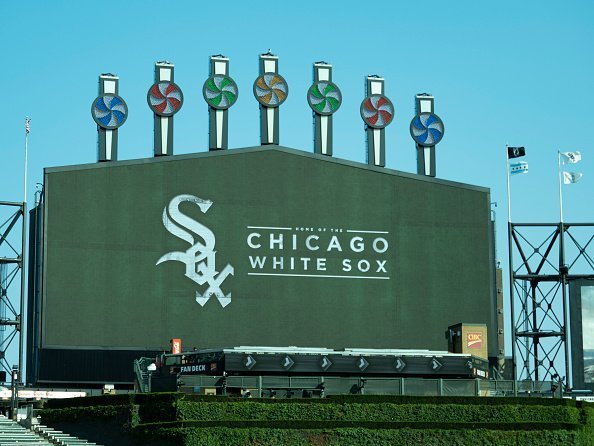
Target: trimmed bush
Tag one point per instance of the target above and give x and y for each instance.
(367, 437)
(174, 418)
(85, 413)
(101, 400)
(339, 424)
(445, 413)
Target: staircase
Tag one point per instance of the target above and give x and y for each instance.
(58, 438)
(13, 434)
(142, 374)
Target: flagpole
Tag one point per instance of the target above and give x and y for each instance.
(27, 120)
(23, 258)
(510, 260)
(560, 187)
(508, 184)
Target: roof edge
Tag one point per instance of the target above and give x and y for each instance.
(263, 148)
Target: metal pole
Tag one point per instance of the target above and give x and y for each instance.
(23, 248)
(563, 271)
(511, 268)
(560, 188)
(13, 396)
(534, 328)
(27, 124)
(563, 275)
(508, 184)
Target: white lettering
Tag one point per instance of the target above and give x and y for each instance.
(334, 244)
(346, 265)
(321, 264)
(308, 242)
(252, 244)
(305, 261)
(380, 266)
(284, 257)
(276, 241)
(376, 243)
(258, 261)
(363, 266)
(193, 368)
(357, 244)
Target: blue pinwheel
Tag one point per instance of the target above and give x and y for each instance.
(109, 111)
(426, 129)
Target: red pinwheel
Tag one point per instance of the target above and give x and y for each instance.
(165, 98)
(377, 111)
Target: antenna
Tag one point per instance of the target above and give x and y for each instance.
(324, 98)
(377, 112)
(426, 129)
(110, 112)
(220, 93)
(270, 90)
(165, 99)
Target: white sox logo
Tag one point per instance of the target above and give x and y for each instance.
(200, 257)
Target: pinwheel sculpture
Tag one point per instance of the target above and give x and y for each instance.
(324, 98)
(165, 99)
(377, 112)
(426, 129)
(220, 92)
(270, 90)
(110, 112)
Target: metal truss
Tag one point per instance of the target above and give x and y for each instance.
(12, 266)
(549, 257)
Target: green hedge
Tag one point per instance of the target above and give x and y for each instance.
(396, 399)
(444, 413)
(367, 437)
(85, 413)
(466, 400)
(124, 399)
(89, 401)
(353, 420)
(339, 424)
(171, 397)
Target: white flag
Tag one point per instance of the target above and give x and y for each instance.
(521, 167)
(571, 177)
(571, 157)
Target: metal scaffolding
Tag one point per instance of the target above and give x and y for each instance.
(549, 256)
(12, 265)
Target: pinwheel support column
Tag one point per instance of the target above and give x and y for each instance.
(426, 129)
(220, 92)
(324, 98)
(165, 99)
(270, 90)
(377, 112)
(109, 111)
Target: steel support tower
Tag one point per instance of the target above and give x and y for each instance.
(13, 229)
(544, 259)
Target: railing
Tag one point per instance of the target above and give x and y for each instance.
(142, 374)
(281, 386)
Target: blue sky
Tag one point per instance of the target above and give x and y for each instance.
(501, 72)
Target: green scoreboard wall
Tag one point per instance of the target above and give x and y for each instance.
(260, 246)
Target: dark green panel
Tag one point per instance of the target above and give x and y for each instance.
(105, 234)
